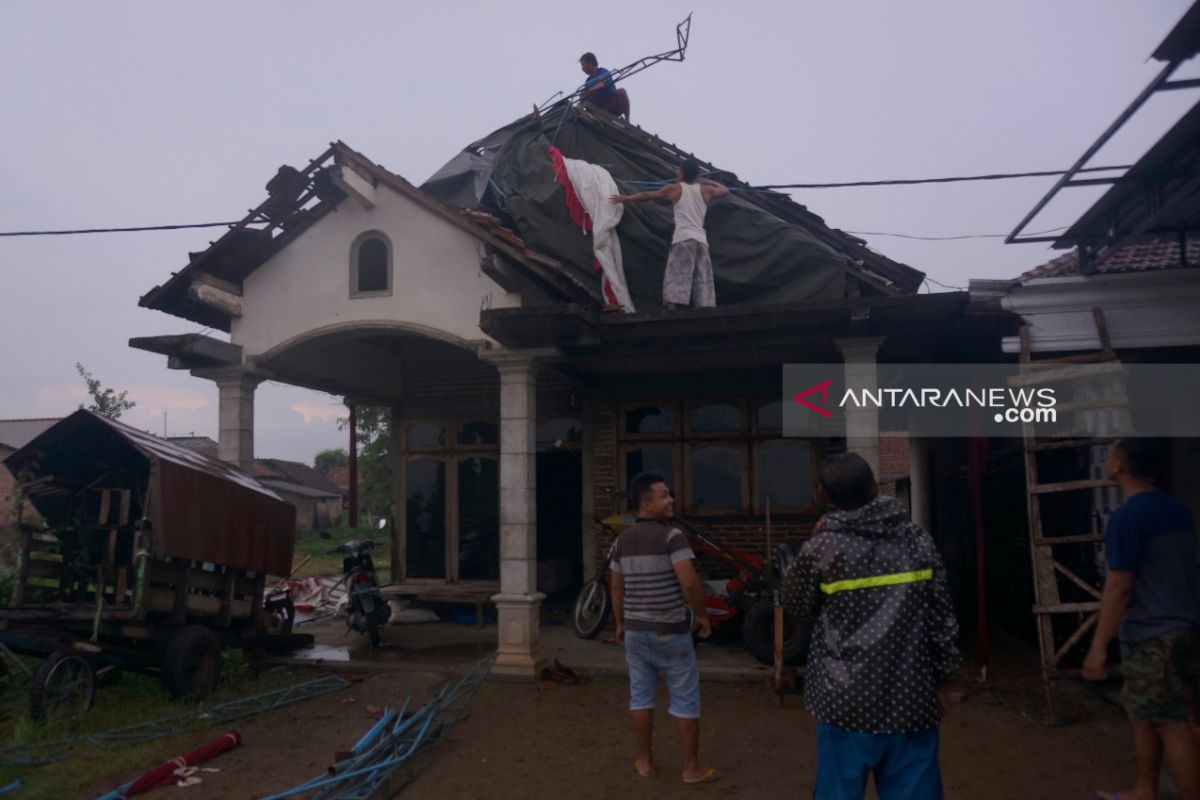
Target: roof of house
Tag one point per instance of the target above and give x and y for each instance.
(292, 208)
(276, 469)
(298, 199)
(16, 433)
(763, 241)
(1151, 254)
(285, 488)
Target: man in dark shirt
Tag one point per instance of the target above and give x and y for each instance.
(600, 89)
(654, 582)
(882, 644)
(1150, 602)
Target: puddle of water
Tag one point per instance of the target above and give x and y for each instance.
(323, 652)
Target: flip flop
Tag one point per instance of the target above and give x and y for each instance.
(641, 774)
(709, 776)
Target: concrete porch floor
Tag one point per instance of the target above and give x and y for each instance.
(449, 649)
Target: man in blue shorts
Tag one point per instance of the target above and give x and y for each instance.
(1150, 603)
(654, 582)
(600, 89)
(883, 641)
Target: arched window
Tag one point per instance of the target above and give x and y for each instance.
(371, 265)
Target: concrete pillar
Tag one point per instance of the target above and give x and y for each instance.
(862, 424)
(918, 478)
(235, 414)
(518, 605)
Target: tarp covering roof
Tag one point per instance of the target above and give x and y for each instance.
(765, 248)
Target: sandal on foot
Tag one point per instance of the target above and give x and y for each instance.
(708, 776)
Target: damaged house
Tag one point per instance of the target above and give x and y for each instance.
(471, 306)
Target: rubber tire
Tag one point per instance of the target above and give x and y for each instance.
(39, 702)
(758, 632)
(191, 665)
(581, 629)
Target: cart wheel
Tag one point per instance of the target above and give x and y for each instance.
(192, 662)
(64, 683)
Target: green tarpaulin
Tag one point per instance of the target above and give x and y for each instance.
(757, 257)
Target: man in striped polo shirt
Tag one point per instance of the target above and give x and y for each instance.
(654, 582)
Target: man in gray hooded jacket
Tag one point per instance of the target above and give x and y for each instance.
(882, 648)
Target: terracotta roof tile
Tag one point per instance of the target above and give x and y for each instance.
(1152, 254)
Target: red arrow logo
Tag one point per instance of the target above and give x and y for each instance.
(823, 388)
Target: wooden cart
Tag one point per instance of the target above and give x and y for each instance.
(151, 557)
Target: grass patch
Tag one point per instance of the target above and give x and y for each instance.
(319, 564)
(122, 699)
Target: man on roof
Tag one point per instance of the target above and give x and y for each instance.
(600, 90)
(688, 279)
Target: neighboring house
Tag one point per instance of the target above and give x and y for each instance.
(317, 499)
(200, 444)
(1132, 276)
(471, 307)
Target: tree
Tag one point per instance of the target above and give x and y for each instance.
(327, 461)
(374, 460)
(105, 402)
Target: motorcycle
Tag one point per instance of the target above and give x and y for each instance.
(744, 598)
(368, 610)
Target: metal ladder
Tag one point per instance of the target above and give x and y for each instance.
(1074, 618)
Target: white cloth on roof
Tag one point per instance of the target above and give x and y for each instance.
(593, 186)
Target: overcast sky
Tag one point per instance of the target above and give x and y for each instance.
(122, 114)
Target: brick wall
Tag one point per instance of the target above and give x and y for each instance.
(6, 487)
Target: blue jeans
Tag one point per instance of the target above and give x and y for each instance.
(674, 655)
(905, 764)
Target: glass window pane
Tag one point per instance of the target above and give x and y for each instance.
(649, 419)
(560, 430)
(426, 434)
(785, 474)
(372, 266)
(426, 512)
(478, 520)
(770, 416)
(478, 433)
(716, 478)
(716, 417)
(649, 459)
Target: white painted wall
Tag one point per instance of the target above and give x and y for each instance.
(1141, 309)
(436, 280)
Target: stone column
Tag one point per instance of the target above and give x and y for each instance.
(518, 605)
(918, 481)
(235, 414)
(862, 424)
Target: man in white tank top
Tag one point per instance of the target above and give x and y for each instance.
(688, 279)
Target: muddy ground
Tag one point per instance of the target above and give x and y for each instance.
(573, 742)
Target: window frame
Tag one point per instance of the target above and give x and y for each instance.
(676, 420)
(355, 247)
(740, 432)
(741, 446)
(761, 444)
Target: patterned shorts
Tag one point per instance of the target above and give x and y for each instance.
(689, 276)
(1160, 674)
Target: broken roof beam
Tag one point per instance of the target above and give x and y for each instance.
(218, 294)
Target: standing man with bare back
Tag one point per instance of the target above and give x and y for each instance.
(688, 279)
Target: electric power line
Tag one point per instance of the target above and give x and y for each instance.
(135, 229)
(998, 176)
